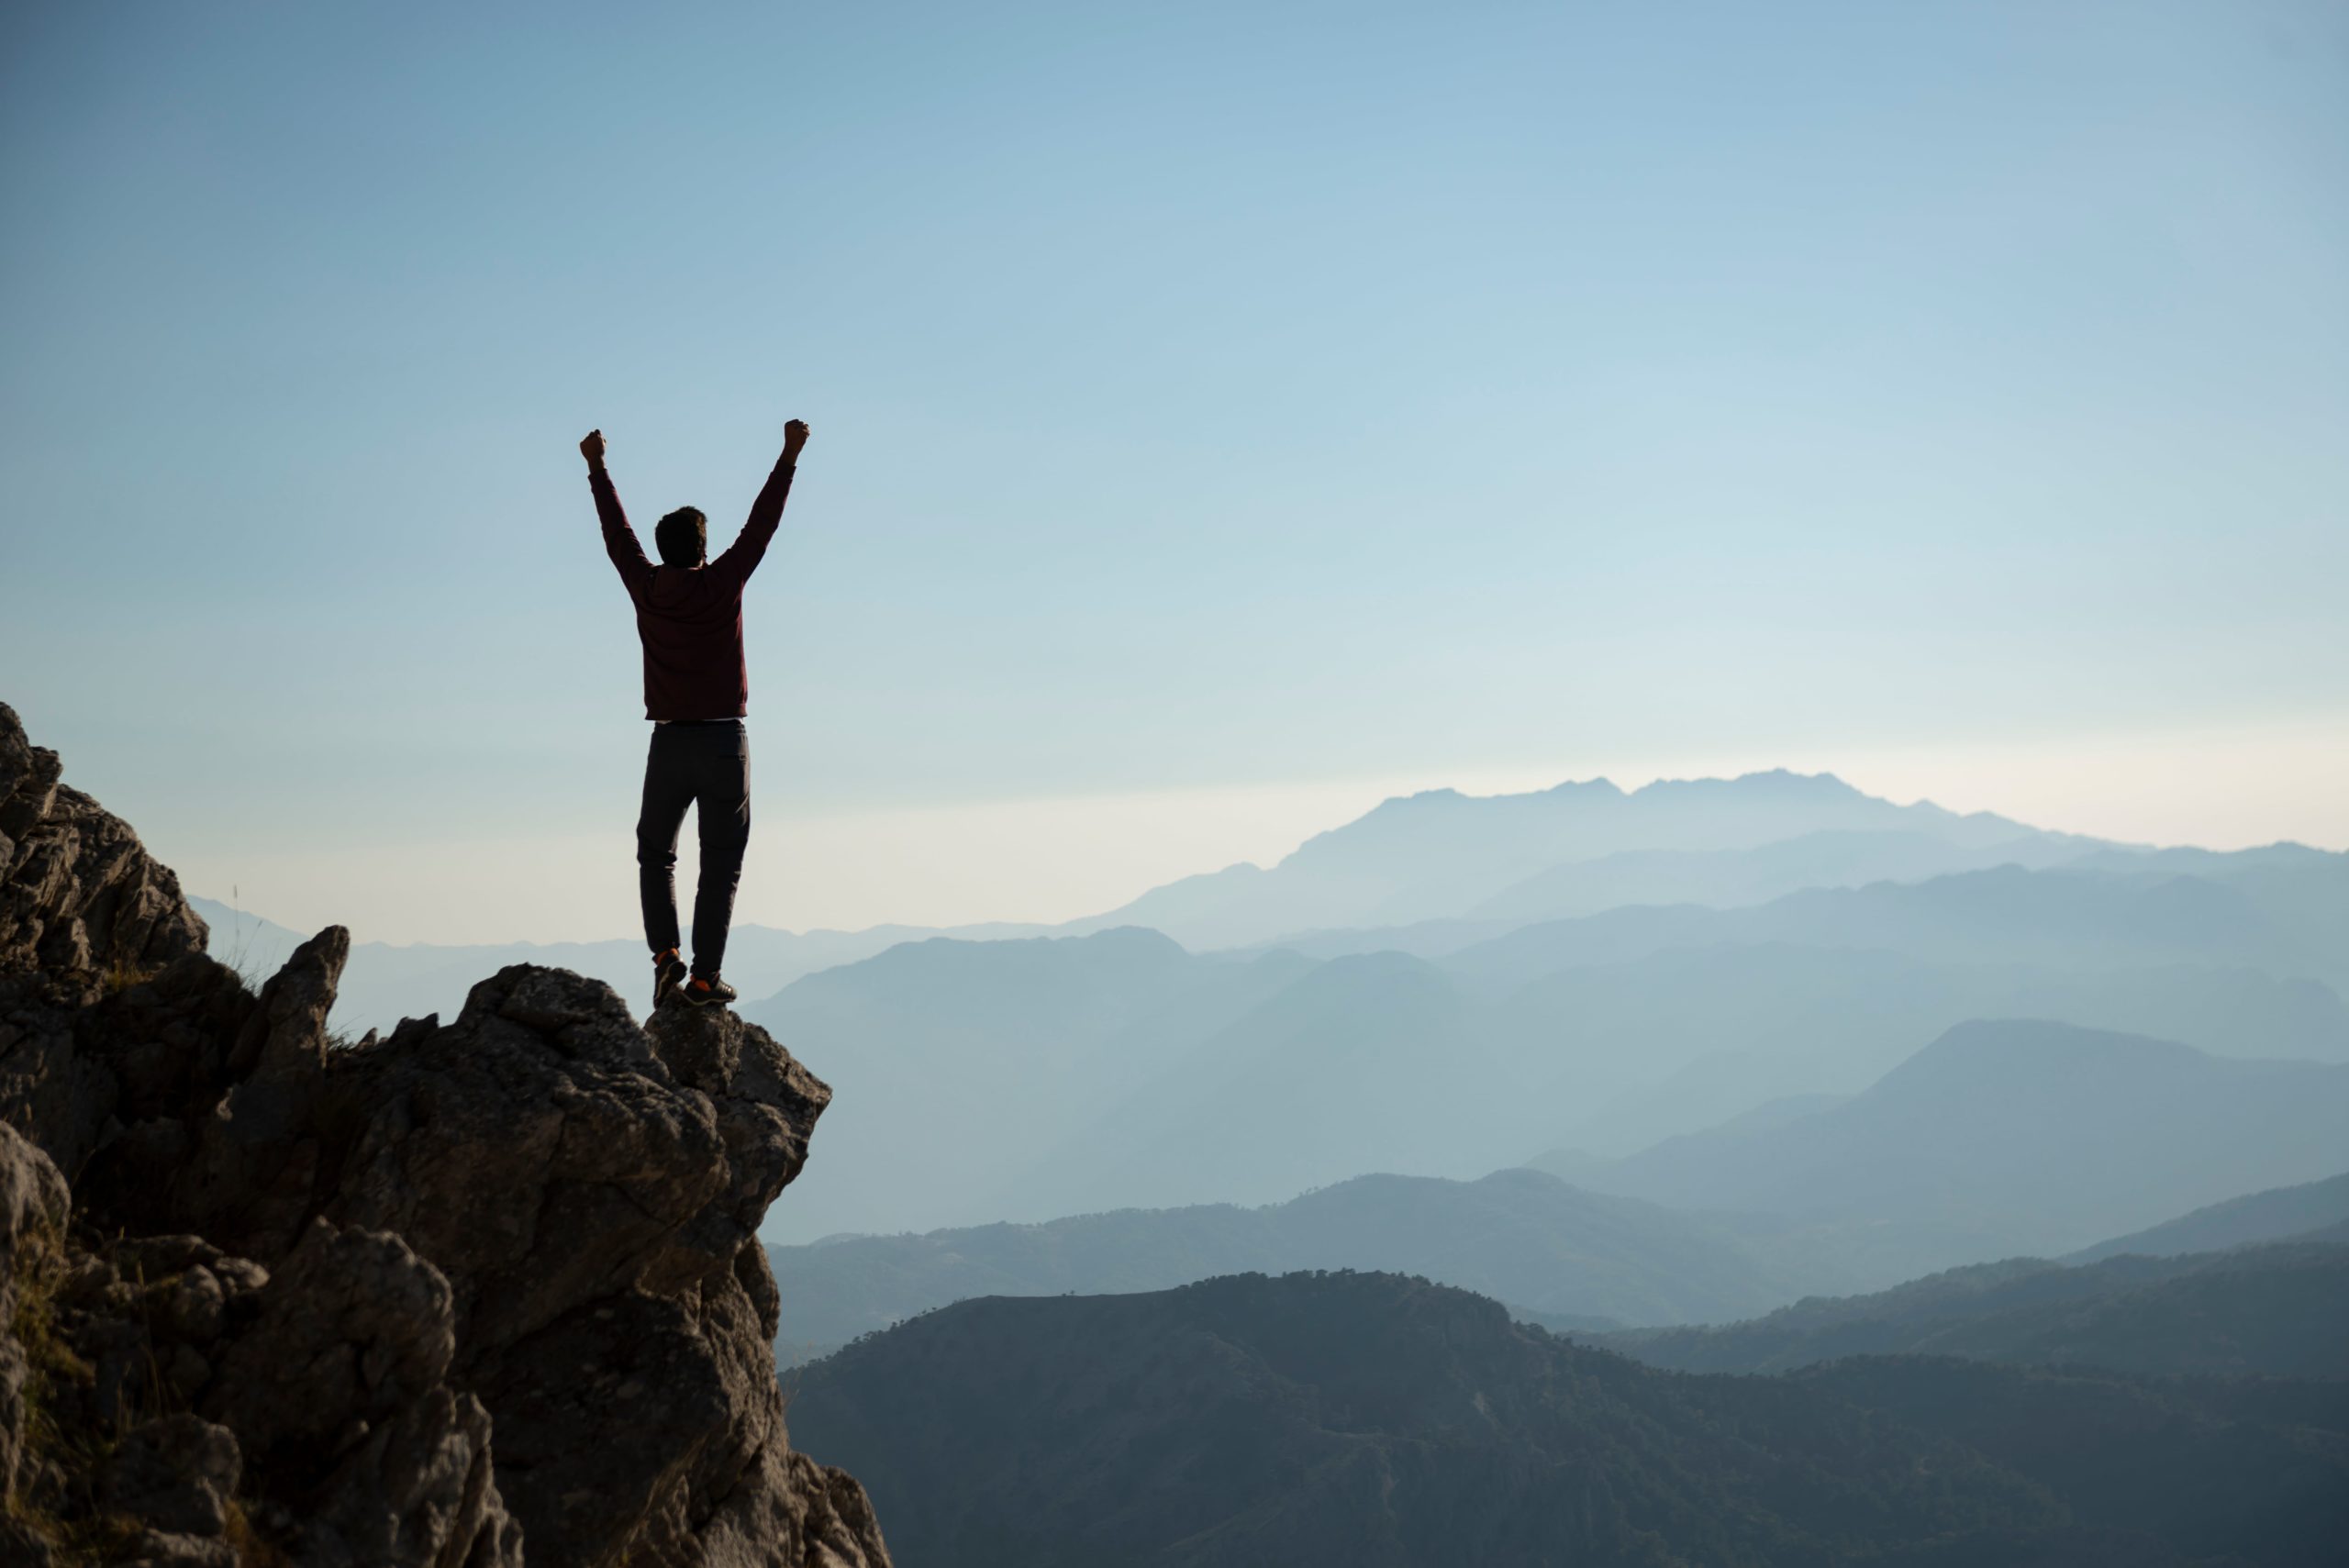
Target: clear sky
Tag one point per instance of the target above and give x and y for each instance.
(1223, 415)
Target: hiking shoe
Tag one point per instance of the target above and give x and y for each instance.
(668, 973)
(703, 992)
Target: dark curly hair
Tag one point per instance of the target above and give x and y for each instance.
(682, 537)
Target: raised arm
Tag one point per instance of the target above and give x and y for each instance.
(620, 539)
(741, 557)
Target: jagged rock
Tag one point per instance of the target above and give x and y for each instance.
(160, 1549)
(185, 1372)
(766, 1104)
(353, 1324)
(175, 1474)
(443, 1297)
(249, 1183)
(56, 1095)
(537, 1149)
(77, 890)
(593, 1193)
(78, 1062)
(32, 1201)
(188, 1308)
(340, 1389)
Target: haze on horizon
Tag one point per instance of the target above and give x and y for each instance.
(1223, 421)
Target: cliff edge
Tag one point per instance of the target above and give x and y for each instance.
(474, 1293)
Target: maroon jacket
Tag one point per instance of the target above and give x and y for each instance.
(691, 621)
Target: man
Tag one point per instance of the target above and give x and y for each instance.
(697, 689)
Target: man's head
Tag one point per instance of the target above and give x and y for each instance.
(682, 537)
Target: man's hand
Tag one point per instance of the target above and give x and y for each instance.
(794, 438)
(592, 448)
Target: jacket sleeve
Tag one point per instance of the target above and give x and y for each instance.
(620, 539)
(742, 557)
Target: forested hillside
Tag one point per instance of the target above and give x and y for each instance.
(2310, 1210)
(1521, 1236)
(1342, 1419)
(2280, 1310)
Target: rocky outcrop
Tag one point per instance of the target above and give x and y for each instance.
(77, 890)
(480, 1292)
(33, 1211)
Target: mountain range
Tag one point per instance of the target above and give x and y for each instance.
(1474, 866)
(1783, 1045)
(1109, 1066)
(388, 982)
(2275, 1311)
(1523, 1237)
(1440, 854)
(2310, 1211)
(1274, 1073)
(2012, 1137)
(1343, 1419)
(2068, 917)
(1589, 1263)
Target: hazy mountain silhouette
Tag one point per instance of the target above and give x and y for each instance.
(2284, 907)
(1139, 1076)
(2299, 888)
(2310, 1211)
(986, 1052)
(1359, 1064)
(1705, 1094)
(1731, 878)
(386, 982)
(2047, 919)
(1382, 1059)
(2272, 1311)
(1441, 854)
(1353, 1420)
(1523, 1237)
(1121, 1070)
(2008, 1138)
(1578, 850)
(1680, 1039)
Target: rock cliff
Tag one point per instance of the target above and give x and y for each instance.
(473, 1294)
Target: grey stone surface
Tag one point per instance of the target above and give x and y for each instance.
(32, 1202)
(175, 1474)
(476, 1294)
(77, 890)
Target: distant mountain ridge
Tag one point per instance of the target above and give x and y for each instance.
(2277, 1310)
(1731, 878)
(387, 982)
(1334, 1421)
(1139, 1073)
(1383, 1059)
(2016, 1136)
(1143, 1077)
(1426, 865)
(1521, 1235)
(1357, 873)
(1441, 854)
(2279, 1213)
(2006, 915)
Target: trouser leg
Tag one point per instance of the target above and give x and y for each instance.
(723, 809)
(668, 790)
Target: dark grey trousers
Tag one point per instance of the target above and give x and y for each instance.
(707, 766)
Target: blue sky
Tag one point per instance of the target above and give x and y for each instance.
(1223, 415)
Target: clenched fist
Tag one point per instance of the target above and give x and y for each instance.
(795, 437)
(592, 448)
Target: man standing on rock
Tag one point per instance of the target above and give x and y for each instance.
(697, 689)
